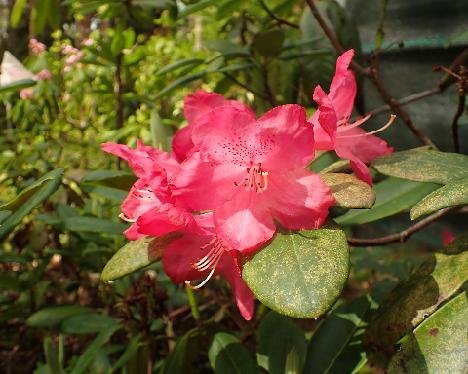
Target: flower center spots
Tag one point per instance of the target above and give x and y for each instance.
(256, 179)
(208, 262)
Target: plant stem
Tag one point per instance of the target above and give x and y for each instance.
(193, 303)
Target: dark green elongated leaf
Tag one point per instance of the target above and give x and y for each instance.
(179, 83)
(225, 47)
(128, 354)
(53, 316)
(279, 338)
(437, 279)
(87, 358)
(158, 132)
(16, 12)
(268, 43)
(438, 345)
(190, 9)
(93, 224)
(236, 67)
(322, 160)
(300, 274)
(349, 191)
(180, 360)
(110, 178)
(333, 337)
(228, 355)
(52, 357)
(424, 166)
(114, 194)
(393, 195)
(134, 256)
(10, 283)
(87, 323)
(178, 64)
(227, 8)
(28, 199)
(455, 193)
(4, 214)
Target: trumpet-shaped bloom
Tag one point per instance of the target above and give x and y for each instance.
(252, 173)
(150, 206)
(195, 107)
(332, 129)
(200, 255)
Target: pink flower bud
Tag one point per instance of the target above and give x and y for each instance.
(44, 74)
(26, 93)
(36, 47)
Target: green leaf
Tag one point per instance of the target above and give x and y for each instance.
(436, 280)
(455, 193)
(51, 356)
(226, 47)
(322, 160)
(279, 338)
(460, 244)
(114, 194)
(228, 355)
(87, 358)
(134, 256)
(17, 12)
(180, 360)
(87, 323)
(111, 178)
(128, 354)
(158, 132)
(28, 199)
(179, 83)
(190, 9)
(268, 43)
(93, 224)
(53, 316)
(300, 274)
(424, 166)
(329, 349)
(178, 64)
(349, 191)
(392, 196)
(438, 345)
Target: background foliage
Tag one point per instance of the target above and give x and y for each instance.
(133, 63)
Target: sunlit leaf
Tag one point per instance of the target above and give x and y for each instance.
(455, 193)
(227, 355)
(300, 274)
(349, 191)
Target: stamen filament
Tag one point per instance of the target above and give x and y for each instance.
(125, 218)
(384, 127)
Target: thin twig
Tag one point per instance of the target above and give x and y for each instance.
(458, 114)
(380, 33)
(280, 20)
(402, 236)
(118, 97)
(406, 100)
(239, 83)
(266, 85)
(332, 37)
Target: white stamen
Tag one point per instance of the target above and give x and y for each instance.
(356, 123)
(384, 127)
(125, 218)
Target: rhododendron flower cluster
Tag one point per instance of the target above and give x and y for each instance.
(36, 47)
(233, 179)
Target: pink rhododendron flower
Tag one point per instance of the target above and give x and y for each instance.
(44, 74)
(150, 206)
(26, 93)
(447, 237)
(88, 42)
(252, 173)
(332, 129)
(36, 47)
(200, 255)
(195, 107)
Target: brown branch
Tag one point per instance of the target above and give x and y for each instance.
(332, 37)
(280, 20)
(373, 75)
(406, 100)
(458, 114)
(449, 79)
(402, 236)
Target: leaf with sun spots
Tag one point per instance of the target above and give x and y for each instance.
(300, 274)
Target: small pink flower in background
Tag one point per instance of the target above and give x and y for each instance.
(195, 107)
(44, 74)
(447, 237)
(88, 42)
(67, 49)
(332, 129)
(36, 47)
(200, 255)
(26, 93)
(252, 172)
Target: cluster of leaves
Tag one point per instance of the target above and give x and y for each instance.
(59, 229)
